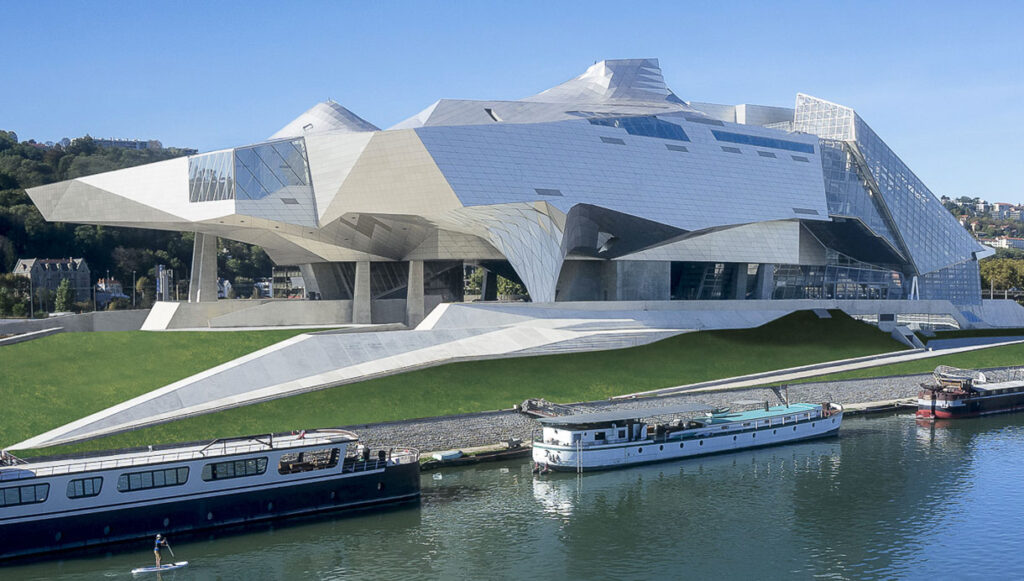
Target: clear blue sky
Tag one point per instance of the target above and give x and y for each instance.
(941, 82)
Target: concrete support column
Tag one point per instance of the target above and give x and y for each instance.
(739, 289)
(203, 284)
(489, 287)
(765, 280)
(414, 306)
(361, 294)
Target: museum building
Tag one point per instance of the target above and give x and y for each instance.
(608, 187)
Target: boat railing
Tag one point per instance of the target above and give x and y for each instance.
(392, 457)
(212, 450)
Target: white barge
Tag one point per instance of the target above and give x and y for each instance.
(619, 438)
(56, 504)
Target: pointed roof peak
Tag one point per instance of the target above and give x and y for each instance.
(637, 80)
(326, 116)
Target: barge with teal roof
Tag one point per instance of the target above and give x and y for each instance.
(627, 437)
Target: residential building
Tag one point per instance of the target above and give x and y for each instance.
(47, 273)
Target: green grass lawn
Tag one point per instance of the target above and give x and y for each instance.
(1006, 356)
(51, 381)
(798, 339)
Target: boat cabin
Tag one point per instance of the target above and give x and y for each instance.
(621, 426)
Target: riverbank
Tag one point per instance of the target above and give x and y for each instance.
(488, 428)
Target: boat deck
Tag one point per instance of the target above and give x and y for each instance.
(761, 414)
(213, 449)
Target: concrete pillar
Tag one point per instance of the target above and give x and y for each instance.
(765, 281)
(325, 279)
(739, 289)
(489, 287)
(361, 294)
(414, 306)
(203, 285)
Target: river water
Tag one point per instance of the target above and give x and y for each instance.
(888, 498)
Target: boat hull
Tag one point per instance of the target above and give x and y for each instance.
(565, 459)
(970, 407)
(394, 484)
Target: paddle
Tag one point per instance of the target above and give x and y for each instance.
(171, 550)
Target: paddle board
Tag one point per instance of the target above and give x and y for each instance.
(161, 568)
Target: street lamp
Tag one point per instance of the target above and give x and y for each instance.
(133, 289)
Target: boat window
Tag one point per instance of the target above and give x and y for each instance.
(84, 487)
(234, 469)
(598, 435)
(317, 459)
(746, 424)
(30, 494)
(622, 433)
(152, 479)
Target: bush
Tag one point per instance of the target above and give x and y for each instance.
(119, 305)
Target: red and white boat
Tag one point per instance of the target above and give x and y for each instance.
(962, 393)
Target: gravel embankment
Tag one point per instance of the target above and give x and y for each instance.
(481, 429)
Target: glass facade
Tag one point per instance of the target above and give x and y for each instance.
(932, 235)
(249, 173)
(211, 177)
(960, 283)
(867, 180)
(836, 281)
(262, 170)
(846, 195)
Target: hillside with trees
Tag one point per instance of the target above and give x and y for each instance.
(120, 251)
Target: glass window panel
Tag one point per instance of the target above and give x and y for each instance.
(265, 169)
(210, 177)
(644, 126)
(762, 141)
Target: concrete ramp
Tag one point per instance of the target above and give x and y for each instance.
(316, 361)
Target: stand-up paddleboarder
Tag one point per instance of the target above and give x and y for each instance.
(160, 543)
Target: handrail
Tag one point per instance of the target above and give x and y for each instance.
(84, 465)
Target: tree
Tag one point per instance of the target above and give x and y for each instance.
(142, 298)
(510, 288)
(65, 296)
